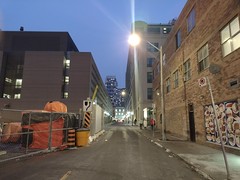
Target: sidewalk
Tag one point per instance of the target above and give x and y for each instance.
(205, 160)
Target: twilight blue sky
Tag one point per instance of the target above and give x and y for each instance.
(101, 27)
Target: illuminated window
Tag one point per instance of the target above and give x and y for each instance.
(67, 63)
(65, 95)
(8, 80)
(6, 96)
(17, 96)
(230, 37)
(18, 83)
(66, 79)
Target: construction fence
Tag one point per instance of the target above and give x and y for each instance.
(36, 132)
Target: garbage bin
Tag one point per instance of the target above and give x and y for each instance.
(82, 136)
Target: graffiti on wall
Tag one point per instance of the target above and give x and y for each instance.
(228, 117)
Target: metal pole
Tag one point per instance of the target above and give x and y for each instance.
(28, 131)
(218, 128)
(154, 118)
(50, 133)
(162, 95)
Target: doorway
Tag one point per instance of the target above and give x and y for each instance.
(191, 122)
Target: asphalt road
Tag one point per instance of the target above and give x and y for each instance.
(120, 153)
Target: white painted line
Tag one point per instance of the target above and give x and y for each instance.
(66, 175)
(158, 144)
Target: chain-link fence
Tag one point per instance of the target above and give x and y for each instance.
(37, 132)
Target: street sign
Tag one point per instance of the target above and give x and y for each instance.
(202, 82)
(87, 105)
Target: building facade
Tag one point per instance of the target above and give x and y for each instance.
(139, 73)
(37, 67)
(203, 45)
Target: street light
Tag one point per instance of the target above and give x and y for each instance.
(134, 40)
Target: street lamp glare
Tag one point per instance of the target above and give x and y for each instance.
(134, 40)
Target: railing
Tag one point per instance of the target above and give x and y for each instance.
(36, 132)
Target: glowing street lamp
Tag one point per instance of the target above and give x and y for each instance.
(134, 40)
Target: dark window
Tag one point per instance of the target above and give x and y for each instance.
(178, 39)
(187, 70)
(150, 47)
(203, 58)
(191, 20)
(149, 93)
(149, 77)
(153, 29)
(168, 85)
(150, 62)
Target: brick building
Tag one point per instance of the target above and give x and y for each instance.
(204, 42)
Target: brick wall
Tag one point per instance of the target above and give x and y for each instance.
(211, 17)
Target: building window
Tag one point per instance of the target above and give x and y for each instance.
(151, 48)
(66, 79)
(164, 59)
(17, 96)
(8, 96)
(230, 37)
(19, 69)
(149, 77)
(18, 83)
(175, 78)
(191, 20)
(187, 70)
(8, 80)
(153, 30)
(150, 62)
(67, 63)
(166, 30)
(168, 85)
(178, 39)
(149, 93)
(65, 95)
(203, 60)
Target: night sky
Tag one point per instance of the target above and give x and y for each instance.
(101, 27)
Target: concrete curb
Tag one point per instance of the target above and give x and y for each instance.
(95, 136)
(199, 171)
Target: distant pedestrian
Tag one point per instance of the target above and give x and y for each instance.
(152, 122)
(135, 121)
(141, 124)
(145, 123)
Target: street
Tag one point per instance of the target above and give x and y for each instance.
(122, 152)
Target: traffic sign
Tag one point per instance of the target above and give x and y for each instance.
(202, 82)
(87, 105)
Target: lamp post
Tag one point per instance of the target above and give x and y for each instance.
(134, 40)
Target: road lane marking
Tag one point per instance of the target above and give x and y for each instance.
(158, 144)
(66, 175)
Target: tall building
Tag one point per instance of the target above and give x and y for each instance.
(37, 67)
(114, 92)
(139, 73)
(203, 45)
